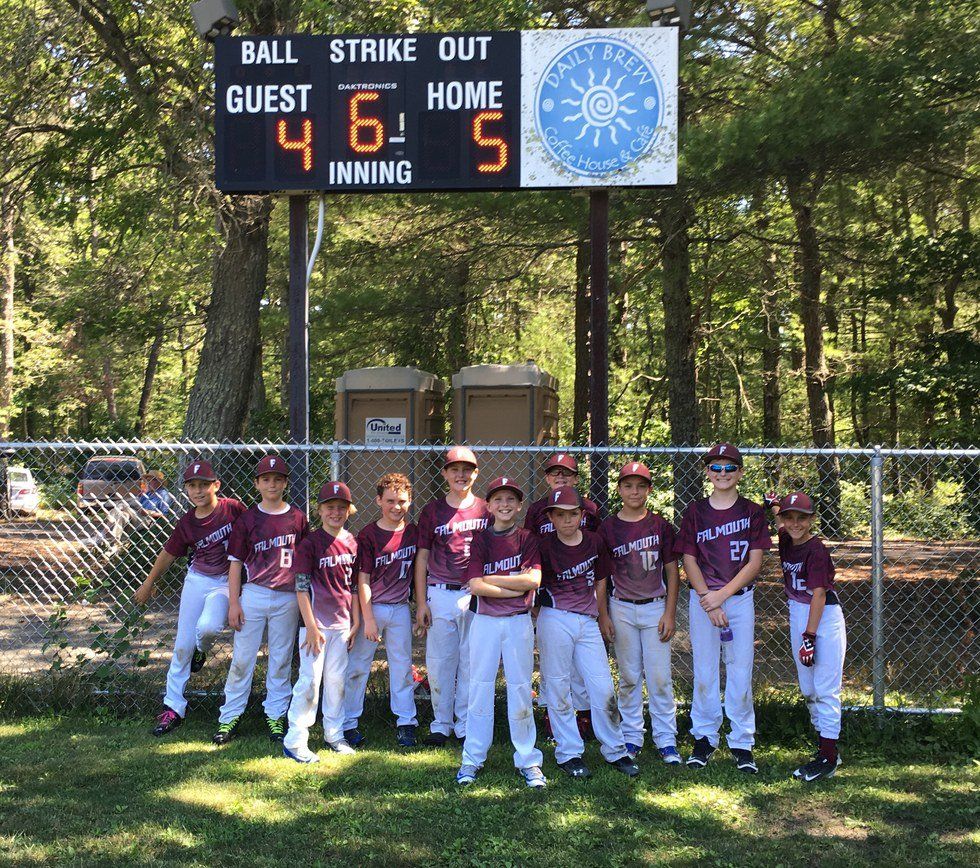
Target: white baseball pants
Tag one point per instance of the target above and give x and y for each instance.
(326, 669)
(640, 654)
(706, 646)
(580, 699)
(567, 639)
(203, 615)
(493, 639)
(279, 612)
(447, 659)
(395, 626)
(820, 683)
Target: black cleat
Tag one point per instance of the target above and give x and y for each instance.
(198, 660)
(353, 737)
(701, 754)
(167, 721)
(436, 739)
(627, 765)
(817, 769)
(277, 728)
(744, 761)
(226, 731)
(406, 736)
(575, 768)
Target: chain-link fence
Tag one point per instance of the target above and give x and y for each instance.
(78, 536)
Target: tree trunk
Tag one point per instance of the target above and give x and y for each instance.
(218, 404)
(109, 389)
(457, 339)
(771, 346)
(152, 361)
(257, 397)
(583, 305)
(8, 266)
(816, 371)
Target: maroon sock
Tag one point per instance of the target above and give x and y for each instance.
(828, 748)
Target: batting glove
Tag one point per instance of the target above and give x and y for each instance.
(808, 648)
(771, 499)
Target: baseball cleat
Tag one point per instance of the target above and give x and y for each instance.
(627, 765)
(633, 749)
(669, 755)
(436, 739)
(534, 777)
(701, 754)
(227, 731)
(798, 773)
(167, 721)
(198, 660)
(301, 755)
(277, 728)
(575, 768)
(818, 768)
(353, 737)
(744, 761)
(466, 775)
(406, 736)
(340, 746)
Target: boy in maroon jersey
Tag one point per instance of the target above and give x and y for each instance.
(722, 539)
(385, 553)
(323, 569)
(574, 571)
(643, 609)
(817, 633)
(446, 528)
(504, 572)
(202, 532)
(263, 542)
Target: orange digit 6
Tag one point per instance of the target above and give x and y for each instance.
(373, 126)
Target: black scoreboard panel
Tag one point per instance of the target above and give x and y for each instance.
(434, 111)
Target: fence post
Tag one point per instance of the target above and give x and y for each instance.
(335, 461)
(877, 580)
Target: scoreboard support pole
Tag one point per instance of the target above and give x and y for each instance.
(299, 348)
(599, 343)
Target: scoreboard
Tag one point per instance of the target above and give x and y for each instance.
(446, 111)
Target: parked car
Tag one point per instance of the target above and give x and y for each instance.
(22, 494)
(108, 479)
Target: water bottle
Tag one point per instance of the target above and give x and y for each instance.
(726, 634)
(726, 642)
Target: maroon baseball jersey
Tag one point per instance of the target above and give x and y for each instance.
(447, 531)
(805, 567)
(721, 539)
(503, 554)
(387, 557)
(205, 538)
(266, 544)
(539, 522)
(329, 561)
(638, 550)
(569, 573)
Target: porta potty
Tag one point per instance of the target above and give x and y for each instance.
(387, 408)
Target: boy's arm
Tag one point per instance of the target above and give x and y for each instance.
(672, 577)
(355, 620)
(818, 601)
(160, 566)
(694, 575)
(314, 638)
(363, 597)
(605, 622)
(481, 588)
(743, 578)
(236, 617)
(423, 618)
(523, 582)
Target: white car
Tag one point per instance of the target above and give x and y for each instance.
(22, 492)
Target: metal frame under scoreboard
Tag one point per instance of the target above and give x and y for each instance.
(446, 111)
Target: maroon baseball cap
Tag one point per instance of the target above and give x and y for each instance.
(562, 459)
(504, 482)
(334, 491)
(460, 455)
(564, 497)
(797, 502)
(272, 464)
(200, 470)
(635, 468)
(724, 451)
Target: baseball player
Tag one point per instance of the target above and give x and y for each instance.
(504, 571)
(262, 543)
(574, 572)
(562, 469)
(446, 528)
(386, 552)
(323, 569)
(202, 532)
(643, 610)
(816, 627)
(722, 539)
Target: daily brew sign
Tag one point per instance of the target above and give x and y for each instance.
(446, 111)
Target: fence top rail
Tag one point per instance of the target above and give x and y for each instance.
(339, 446)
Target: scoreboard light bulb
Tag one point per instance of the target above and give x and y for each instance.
(490, 142)
(305, 144)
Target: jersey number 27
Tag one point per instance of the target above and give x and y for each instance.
(738, 549)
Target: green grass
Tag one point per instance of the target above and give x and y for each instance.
(87, 789)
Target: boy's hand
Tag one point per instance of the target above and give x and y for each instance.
(423, 618)
(712, 600)
(771, 501)
(352, 635)
(236, 617)
(314, 641)
(144, 592)
(665, 628)
(606, 628)
(808, 648)
(718, 617)
(371, 630)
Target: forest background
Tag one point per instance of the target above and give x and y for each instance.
(811, 280)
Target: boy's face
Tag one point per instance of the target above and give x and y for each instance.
(797, 524)
(200, 492)
(566, 521)
(559, 476)
(634, 491)
(394, 505)
(504, 505)
(460, 477)
(333, 513)
(271, 486)
(723, 475)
